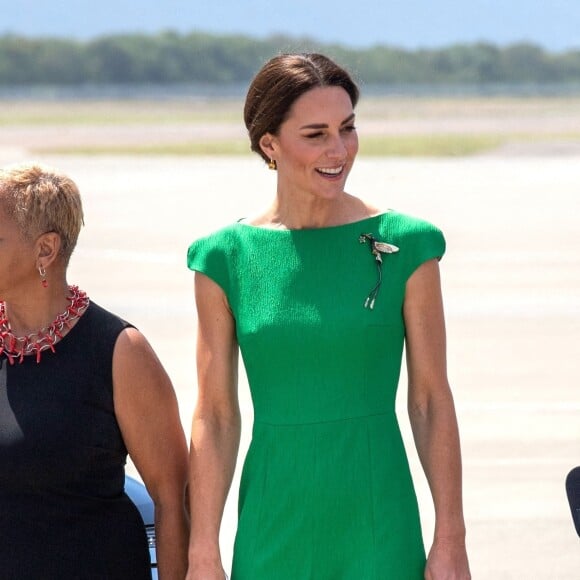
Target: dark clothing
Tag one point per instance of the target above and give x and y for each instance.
(63, 510)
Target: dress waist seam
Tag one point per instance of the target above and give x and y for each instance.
(340, 420)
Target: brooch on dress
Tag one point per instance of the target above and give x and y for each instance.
(377, 248)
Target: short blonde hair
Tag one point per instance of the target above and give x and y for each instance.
(41, 200)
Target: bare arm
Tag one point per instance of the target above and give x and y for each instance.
(433, 421)
(215, 435)
(147, 412)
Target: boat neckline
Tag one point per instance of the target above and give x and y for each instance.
(320, 229)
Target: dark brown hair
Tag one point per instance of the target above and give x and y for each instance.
(280, 82)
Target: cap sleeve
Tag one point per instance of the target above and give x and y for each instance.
(421, 241)
(209, 256)
(430, 245)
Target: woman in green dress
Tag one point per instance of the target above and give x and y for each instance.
(320, 293)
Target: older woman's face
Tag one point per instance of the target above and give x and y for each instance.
(17, 259)
(316, 146)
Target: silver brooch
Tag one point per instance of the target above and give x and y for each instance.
(377, 249)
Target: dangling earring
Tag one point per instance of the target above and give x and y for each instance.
(43, 279)
(272, 165)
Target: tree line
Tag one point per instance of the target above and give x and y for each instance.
(170, 57)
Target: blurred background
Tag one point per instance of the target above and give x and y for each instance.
(470, 117)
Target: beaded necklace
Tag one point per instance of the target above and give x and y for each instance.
(17, 347)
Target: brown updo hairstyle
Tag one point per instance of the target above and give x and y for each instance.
(280, 82)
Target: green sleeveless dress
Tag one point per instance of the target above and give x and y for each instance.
(326, 492)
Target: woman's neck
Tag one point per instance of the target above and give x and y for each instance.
(289, 213)
(33, 310)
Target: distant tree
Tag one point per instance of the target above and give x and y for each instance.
(169, 57)
(18, 58)
(568, 65)
(60, 62)
(529, 63)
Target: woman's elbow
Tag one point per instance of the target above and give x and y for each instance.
(427, 401)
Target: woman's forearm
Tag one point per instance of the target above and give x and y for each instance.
(436, 436)
(214, 448)
(171, 531)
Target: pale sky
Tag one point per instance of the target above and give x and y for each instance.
(553, 24)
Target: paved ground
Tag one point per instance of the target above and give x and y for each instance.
(512, 293)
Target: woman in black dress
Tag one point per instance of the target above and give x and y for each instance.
(79, 389)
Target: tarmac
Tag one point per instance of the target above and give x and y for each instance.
(511, 279)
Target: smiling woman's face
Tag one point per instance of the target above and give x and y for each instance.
(315, 147)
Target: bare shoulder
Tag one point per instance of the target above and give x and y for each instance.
(134, 357)
(210, 297)
(427, 272)
(132, 342)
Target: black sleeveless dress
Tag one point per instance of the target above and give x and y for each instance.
(63, 510)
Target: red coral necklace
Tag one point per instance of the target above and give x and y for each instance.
(17, 347)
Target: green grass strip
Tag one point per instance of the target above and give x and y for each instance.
(212, 148)
(429, 145)
(449, 145)
(385, 146)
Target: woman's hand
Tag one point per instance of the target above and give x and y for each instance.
(206, 572)
(447, 561)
